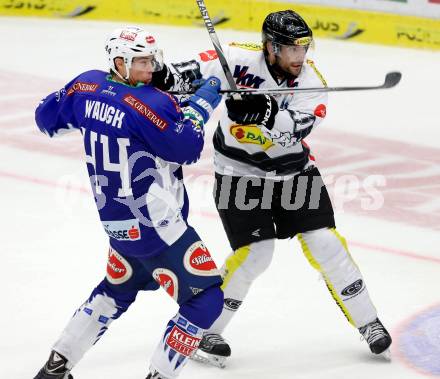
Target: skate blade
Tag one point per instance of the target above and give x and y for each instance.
(386, 355)
(209, 359)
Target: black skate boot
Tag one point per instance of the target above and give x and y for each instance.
(155, 375)
(55, 368)
(213, 349)
(377, 337)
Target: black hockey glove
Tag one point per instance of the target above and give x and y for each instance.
(188, 75)
(253, 109)
(185, 76)
(163, 79)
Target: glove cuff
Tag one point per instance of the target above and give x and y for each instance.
(271, 111)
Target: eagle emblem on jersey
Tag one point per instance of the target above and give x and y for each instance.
(250, 134)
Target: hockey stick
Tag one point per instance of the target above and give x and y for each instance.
(391, 80)
(215, 41)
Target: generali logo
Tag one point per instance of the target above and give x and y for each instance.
(144, 110)
(82, 87)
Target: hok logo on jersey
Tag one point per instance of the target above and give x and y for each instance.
(208, 55)
(82, 87)
(124, 230)
(118, 269)
(246, 80)
(145, 111)
(182, 342)
(168, 281)
(250, 134)
(198, 260)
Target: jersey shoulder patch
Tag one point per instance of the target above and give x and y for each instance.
(312, 65)
(247, 46)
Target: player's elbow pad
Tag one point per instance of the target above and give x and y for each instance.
(193, 152)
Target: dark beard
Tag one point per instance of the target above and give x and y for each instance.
(278, 74)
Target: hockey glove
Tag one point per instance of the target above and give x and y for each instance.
(206, 98)
(253, 109)
(189, 75)
(184, 76)
(163, 79)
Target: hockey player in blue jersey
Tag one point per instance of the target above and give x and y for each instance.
(136, 138)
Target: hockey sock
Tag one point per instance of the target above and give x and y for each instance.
(327, 252)
(180, 341)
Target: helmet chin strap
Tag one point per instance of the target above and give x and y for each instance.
(120, 76)
(127, 70)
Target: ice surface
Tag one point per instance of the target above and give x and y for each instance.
(54, 249)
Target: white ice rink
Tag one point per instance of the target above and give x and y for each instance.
(54, 249)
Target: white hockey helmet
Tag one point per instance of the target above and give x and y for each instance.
(131, 42)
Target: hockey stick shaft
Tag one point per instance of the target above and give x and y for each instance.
(391, 80)
(215, 41)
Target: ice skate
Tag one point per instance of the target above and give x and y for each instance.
(213, 350)
(55, 368)
(155, 375)
(377, 337)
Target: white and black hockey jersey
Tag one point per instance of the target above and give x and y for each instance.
(254, 150)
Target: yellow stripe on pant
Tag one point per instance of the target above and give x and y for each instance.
(233, 262)
(308, 253)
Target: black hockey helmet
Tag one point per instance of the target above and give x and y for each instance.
(286, 28)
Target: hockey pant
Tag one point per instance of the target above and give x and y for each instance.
(327, 252)
(113, 296)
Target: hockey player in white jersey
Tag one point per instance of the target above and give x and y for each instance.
(267, 183)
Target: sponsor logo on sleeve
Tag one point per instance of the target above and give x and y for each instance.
(82, 87)
(118, 269)
(320, 111)
(168, 281)
(208, 55)
(124, 230)
(182, 342)
(198, 261)
(145, 111)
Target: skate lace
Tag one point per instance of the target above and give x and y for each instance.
(214, 339)
(372, 332)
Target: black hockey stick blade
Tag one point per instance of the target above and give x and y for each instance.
(391, 80)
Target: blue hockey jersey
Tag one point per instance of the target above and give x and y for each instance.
(135, 140)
